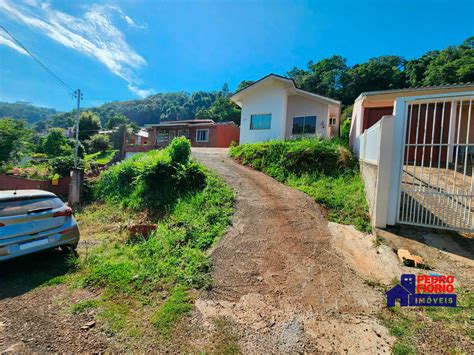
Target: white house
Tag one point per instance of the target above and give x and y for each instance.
(274, 108)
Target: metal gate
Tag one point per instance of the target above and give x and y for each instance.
(436, 187)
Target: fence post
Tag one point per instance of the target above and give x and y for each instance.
(75, 188)
(384, 171)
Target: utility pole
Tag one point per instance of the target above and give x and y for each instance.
(78, 96)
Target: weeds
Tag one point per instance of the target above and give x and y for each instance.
(195, 212)
(83, 306)
(176, 306)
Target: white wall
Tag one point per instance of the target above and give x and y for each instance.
(302, 106)
(267, 98)
(356, 127)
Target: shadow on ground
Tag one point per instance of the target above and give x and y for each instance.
(20, 275)
(451, 242)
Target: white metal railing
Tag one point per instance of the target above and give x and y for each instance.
(437, 162)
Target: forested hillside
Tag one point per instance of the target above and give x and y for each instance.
(26, 111)
(334, 78)
(330, 77)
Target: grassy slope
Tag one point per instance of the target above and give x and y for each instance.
(323, 169)
(101, 157)
(144, 286)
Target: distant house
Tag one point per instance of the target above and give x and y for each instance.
(274, 108)
(139, 138)
(200, 132)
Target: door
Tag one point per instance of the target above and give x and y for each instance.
(171, 136)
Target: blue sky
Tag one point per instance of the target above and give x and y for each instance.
(127, 49)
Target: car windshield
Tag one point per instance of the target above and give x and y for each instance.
(25, 206)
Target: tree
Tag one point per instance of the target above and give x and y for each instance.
(115, 120)
(327, 77)
(89, 124)
(225, 89)
(381, 73)
(244, 84)
(56, 144)
(13, 137)
(119, 134)
(99, 143)
(40, 126)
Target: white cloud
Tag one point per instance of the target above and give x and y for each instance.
(6, 41)
(140, 92)
(93, 34)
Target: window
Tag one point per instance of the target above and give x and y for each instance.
(304, 125)
(160, 136)
(261, 121)
(332, 121)
(186, 133)
(23, 206)
(202, 135)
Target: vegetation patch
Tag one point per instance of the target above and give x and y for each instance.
(101, 157)
(147, 281)
(324, 169)
(428, 329)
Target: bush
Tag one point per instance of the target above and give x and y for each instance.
(324, 169)
(62, 165)
(180, 150)
(99, 143)
(154, 180)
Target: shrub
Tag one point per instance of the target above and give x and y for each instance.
(153, 180)
(62, 165)
(99, 143)
(180, 150)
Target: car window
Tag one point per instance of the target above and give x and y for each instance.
(23, 206)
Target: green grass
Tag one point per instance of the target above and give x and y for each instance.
(83, 306)
(176, 306)
(413, 326)
(101, 157)
(324, 169)
(135, 274)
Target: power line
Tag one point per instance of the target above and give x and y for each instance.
(57, 78)
(111, 98)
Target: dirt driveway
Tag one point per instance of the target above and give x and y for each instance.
(278, 276)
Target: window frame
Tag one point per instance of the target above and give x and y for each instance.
(332, 119)
(304, 124)
(260, 114)
(202, 130)
(160, 136)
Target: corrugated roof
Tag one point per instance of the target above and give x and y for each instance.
(416, 88)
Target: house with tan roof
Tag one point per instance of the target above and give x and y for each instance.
(275, 108)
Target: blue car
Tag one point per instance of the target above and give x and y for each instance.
(34, 220)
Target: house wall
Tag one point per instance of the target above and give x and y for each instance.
(9, 182)
(212, 137)
(226, 134)
(301, 106)
(270, 98)
(333, 130)
(356, 126)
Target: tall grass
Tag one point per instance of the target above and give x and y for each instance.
(194, 209)
(324, 169)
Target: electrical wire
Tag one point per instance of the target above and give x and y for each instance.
(57, 78)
